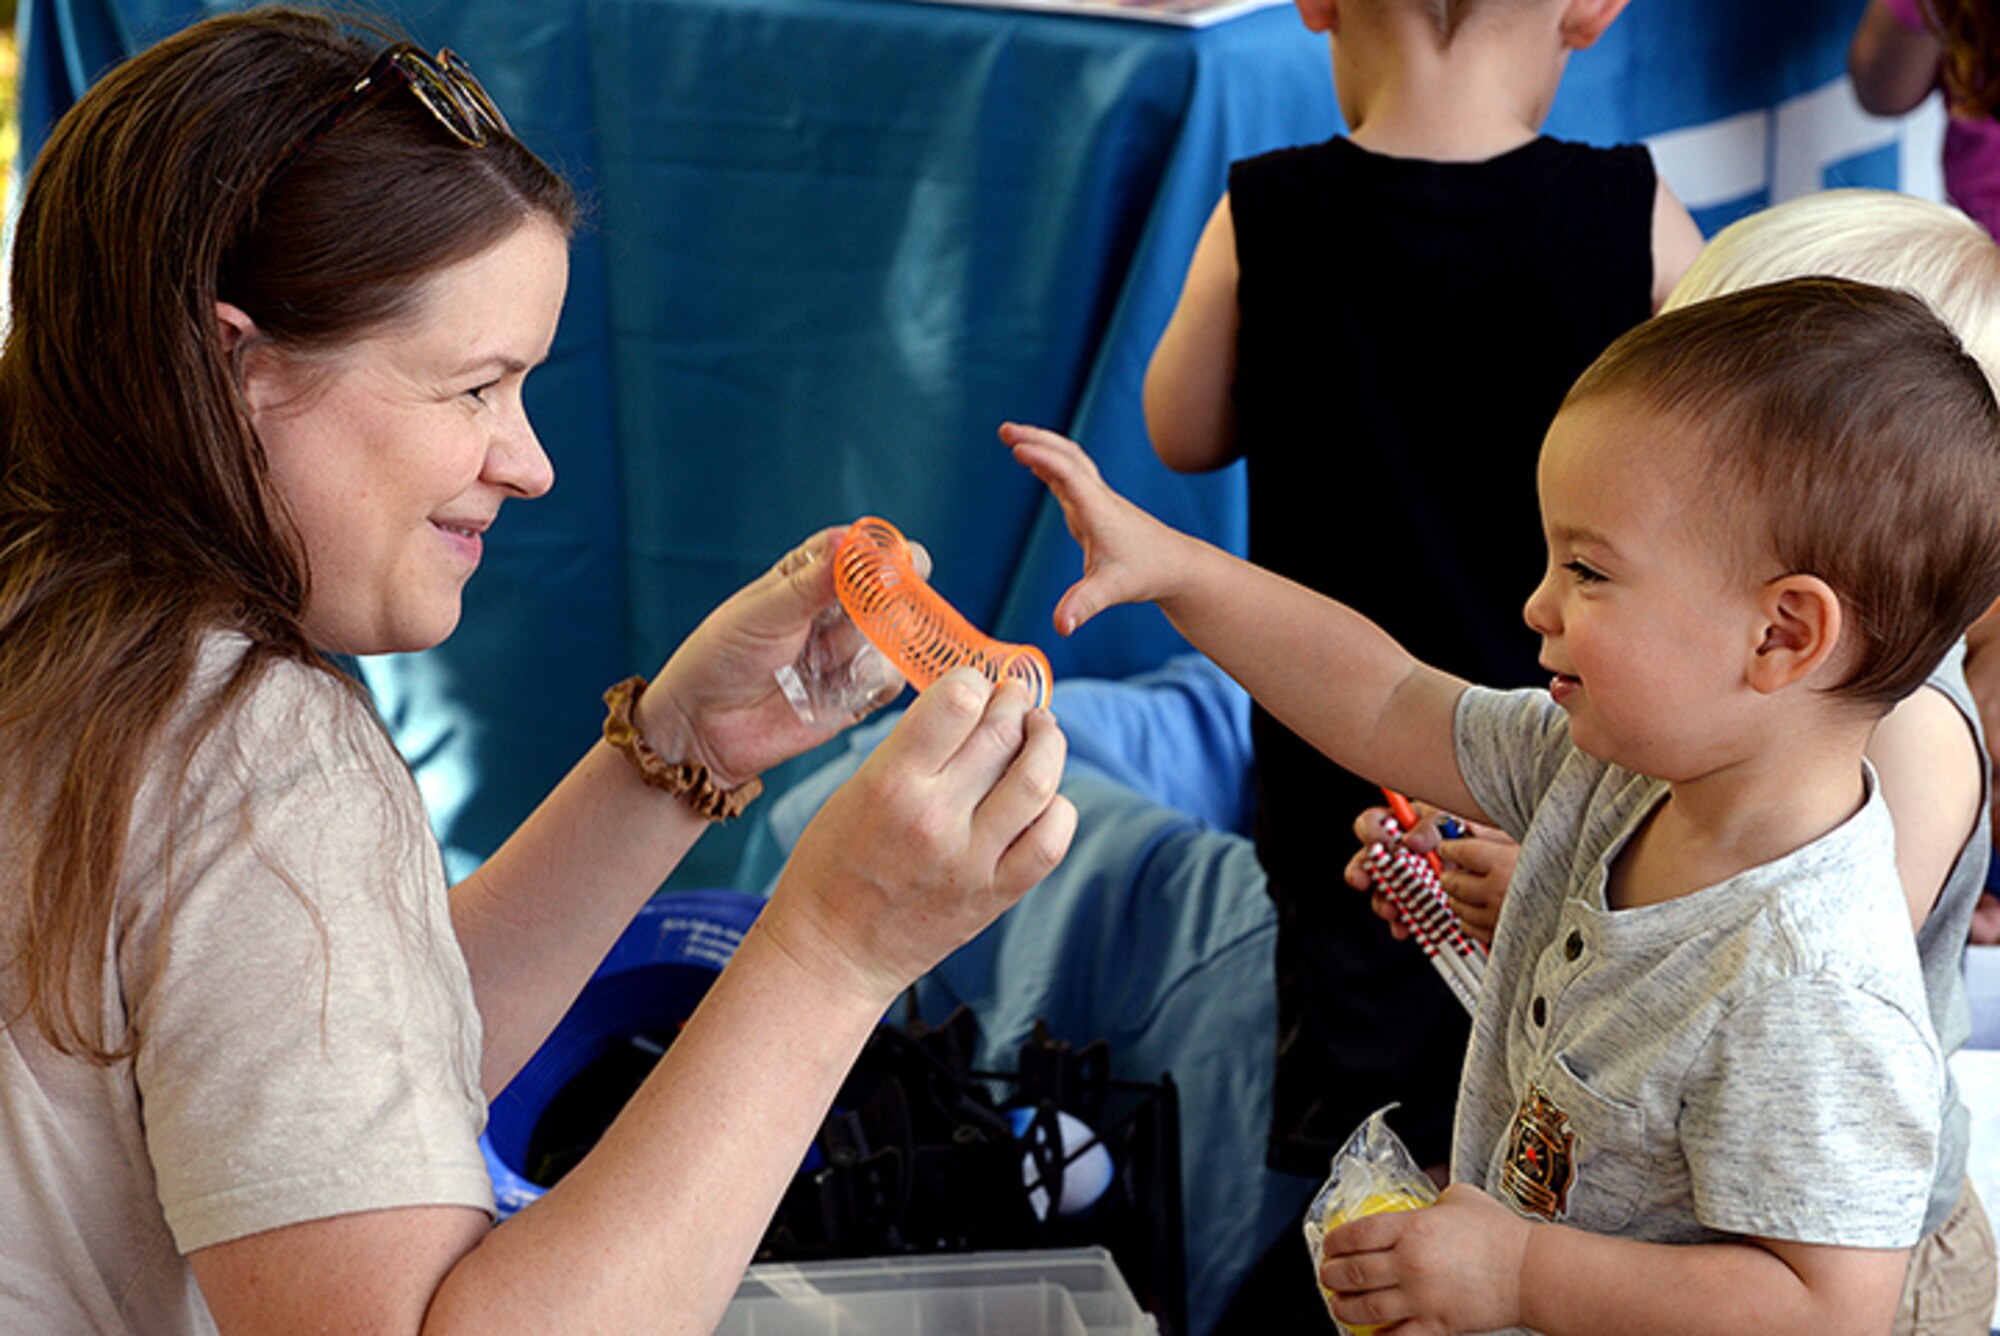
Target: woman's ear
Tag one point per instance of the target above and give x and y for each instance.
(256, 365)
(1802, 622)
(234, 327)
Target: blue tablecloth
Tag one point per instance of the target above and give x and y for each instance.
(834, 243)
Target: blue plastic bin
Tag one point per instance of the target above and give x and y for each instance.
(651, 980)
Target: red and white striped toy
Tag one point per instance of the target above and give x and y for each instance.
(1410, 883)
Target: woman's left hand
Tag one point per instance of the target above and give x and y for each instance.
(718, 700)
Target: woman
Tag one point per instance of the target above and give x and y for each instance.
(274, 298)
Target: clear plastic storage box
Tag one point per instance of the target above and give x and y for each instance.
(1059, 1292)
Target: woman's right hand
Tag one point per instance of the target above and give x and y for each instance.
(718, 700)
(950, 821)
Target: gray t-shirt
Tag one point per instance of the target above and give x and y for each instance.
(1752, 1059)
(308, 1040)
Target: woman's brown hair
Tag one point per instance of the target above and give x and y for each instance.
(135, 511)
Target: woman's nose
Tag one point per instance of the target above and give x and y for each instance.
(517, 462)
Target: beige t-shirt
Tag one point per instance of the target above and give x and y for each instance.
(308, 1041)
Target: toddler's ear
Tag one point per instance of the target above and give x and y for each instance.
(1584, 21)
(1802, 623)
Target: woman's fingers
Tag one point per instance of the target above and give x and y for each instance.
(939, 723)
(1037, 851)
(1019, 796)
(994, 762)
(952, 818)
(793, 591)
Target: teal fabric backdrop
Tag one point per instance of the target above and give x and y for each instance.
(833, 244)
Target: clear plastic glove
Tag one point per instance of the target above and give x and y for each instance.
(839, 676)
(1476, 864)
(719, 700)
(952, 818)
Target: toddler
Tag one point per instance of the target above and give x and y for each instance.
(1768, 517)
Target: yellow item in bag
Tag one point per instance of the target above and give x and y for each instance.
(1372, 1173)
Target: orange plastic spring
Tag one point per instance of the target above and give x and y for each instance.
(913, 626)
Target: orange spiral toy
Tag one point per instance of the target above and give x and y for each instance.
(913, 626)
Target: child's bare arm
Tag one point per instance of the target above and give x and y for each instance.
(1470, 1264)
(1930, 771)
(1327, 673)
(1190, 411)
(1676, 241)
(1892, 68)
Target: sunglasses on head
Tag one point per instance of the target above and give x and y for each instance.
(444, 84)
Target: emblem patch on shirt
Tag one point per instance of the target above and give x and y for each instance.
(1541, 1156)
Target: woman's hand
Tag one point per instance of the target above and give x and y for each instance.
(718, 700)
(951, 820)
(1478, 861)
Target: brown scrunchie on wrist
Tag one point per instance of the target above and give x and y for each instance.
(687, 780)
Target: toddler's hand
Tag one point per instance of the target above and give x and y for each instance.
(1128, 556)
(1454, 1266)
(1478, 861)
(1478, 864)
(1371, 828)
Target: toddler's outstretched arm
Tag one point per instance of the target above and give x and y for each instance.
(1328, 673)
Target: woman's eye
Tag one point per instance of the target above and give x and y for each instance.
(1583, 573)
(478, 392)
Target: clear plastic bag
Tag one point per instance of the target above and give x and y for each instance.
(1373, 1172)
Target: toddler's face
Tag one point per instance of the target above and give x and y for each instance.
(1647, 624)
